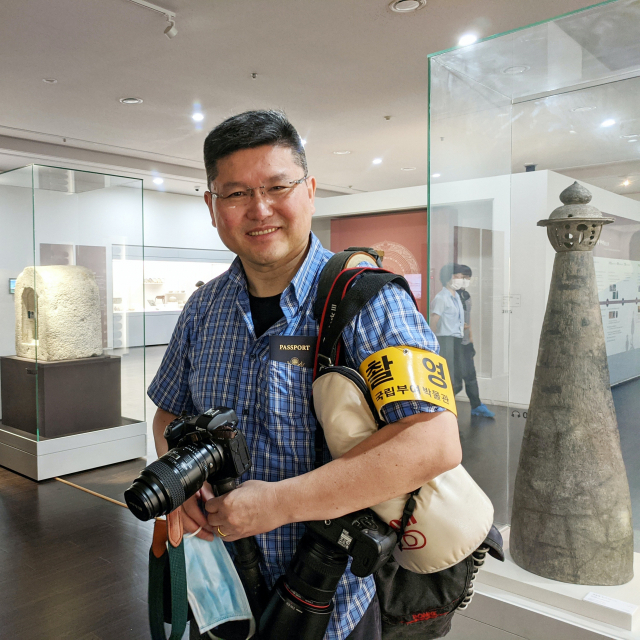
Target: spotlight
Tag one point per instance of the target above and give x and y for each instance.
(171, 31)
(198, 117)
(608, 123)
(467, 39)
(158, 181)
(377, 161)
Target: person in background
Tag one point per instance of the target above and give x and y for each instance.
(478, 408)
(449, 321)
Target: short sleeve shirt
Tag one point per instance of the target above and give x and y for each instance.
(214, 359)
(449, 308)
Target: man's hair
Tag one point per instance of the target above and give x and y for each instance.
(464, 270)
(249, 130)
(447, 272)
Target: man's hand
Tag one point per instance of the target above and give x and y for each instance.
(250, 509)
(192, 516)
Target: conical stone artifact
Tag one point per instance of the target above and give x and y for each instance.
(571, 516)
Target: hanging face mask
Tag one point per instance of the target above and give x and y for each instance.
(215, 592)
(457, 283)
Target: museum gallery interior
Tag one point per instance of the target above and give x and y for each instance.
(488, 152)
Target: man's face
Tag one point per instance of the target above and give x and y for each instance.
(263, 233)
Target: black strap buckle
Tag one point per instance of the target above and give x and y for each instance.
(407, 512)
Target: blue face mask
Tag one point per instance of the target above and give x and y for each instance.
(215, 592)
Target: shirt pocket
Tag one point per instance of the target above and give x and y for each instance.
(289, 389)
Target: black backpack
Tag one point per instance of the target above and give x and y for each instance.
(413, 606)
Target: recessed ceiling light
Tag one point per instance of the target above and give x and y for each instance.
(406, 6)
(626, 183)
(49, 80)
(573, 131)
(198, 117)
(630, 135)
(341, 153)
(467, 39)
(377, 161)
(435, 175)
(131, 100)
(514, 71)
(609, 122)
(581, 109)
(158, 181)
(633, 140)
(408, 168)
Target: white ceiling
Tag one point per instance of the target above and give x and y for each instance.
(336, 67)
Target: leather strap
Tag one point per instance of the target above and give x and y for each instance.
(174, 524)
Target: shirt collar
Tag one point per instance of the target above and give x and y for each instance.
(302, 283)
(300, 287)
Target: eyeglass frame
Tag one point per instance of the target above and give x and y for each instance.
(292, 185)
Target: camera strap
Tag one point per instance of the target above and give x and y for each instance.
(167, 566)
(342, 294)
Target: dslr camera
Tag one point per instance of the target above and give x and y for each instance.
(207, 447)
(301, 602)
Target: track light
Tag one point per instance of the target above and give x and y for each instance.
(171, 30)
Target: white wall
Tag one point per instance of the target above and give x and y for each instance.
(172, 220)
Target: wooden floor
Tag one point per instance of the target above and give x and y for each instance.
(72, 566)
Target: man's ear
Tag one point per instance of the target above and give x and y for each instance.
(208, 198)
(311, 189)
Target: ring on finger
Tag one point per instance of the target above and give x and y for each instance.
(224, 535)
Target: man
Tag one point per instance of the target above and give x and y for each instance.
(450, 321)
(261, 201)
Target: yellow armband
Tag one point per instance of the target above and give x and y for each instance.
(405, 373)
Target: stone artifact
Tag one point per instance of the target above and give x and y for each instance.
(57, 313)
(572, 510)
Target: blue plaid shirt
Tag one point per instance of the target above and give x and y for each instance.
(214, 359)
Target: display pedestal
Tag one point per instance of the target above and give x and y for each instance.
(48, 458)
(72, 396)
(512, 584)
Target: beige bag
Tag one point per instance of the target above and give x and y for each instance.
(452, 515)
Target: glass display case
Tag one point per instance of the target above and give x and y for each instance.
(514, 120)
(72, 388)
(170, 276)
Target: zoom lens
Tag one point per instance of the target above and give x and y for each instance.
(166, 483)
(301, 604)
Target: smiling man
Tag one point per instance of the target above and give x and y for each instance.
(261, 200)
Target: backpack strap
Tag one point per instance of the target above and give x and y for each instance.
(343, 298)
(338, 262)
(353, 298)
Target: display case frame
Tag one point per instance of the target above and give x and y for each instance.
(513, 120)
(71, 400)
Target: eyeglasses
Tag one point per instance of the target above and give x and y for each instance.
(272, 194)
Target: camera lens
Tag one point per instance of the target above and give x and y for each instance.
(301, 604)
(166, 483)
(315, 569)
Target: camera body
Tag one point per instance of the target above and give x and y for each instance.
(205, 447)
(362, 535)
